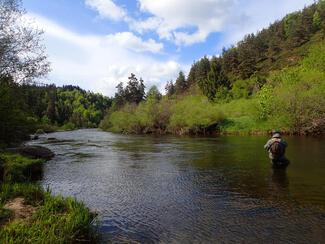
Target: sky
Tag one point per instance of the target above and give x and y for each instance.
(96, 44)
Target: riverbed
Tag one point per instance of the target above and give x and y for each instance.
(149, 189)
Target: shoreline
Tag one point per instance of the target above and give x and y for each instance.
(26, 205)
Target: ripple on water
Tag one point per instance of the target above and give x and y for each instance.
(190, 190)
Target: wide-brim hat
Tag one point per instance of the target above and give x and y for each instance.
(276, 135)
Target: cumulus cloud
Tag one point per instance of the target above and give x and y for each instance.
(130, 41)
(99, 62)
(176, 20)
(169, 17)
(186, 22)
(107, 9)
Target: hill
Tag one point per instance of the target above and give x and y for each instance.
(274, 79)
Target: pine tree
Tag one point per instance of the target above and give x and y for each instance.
(181, 83)
(170, 88)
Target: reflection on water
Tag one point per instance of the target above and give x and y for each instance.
(191, 190)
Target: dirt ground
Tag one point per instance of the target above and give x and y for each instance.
(21, 211)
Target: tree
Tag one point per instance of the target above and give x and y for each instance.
(51, 111)
(181, 84)
(317, 21)
(191, 79)
(134, 91)
(119, 99)
(153, 94)
(170, 88)
(13, 123)
(203, 68)
(215, 79)
(22, 55)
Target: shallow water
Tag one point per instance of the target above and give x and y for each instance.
(191, 190)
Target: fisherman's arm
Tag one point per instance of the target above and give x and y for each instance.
(268, 144)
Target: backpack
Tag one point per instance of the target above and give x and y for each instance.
(277, 149)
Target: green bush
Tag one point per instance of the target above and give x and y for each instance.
(68, 126)
(17, 168)
(194, 115)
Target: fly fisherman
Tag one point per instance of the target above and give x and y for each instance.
(276, 147)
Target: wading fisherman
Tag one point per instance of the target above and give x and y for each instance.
(276, 147)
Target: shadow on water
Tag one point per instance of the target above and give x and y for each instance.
(280, 179)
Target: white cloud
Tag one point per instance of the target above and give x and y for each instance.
(170, 16)
(185, 22)
(171, 19)
(98, 62)
(249, 16)
(130, 41)
(107, 9)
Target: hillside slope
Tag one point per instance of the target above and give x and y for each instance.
(274, 79)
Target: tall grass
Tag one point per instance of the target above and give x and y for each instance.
(57, 219)
(17, 168)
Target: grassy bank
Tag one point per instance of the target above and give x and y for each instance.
(54, 219)
(291, 100)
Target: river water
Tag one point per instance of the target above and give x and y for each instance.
(149, 189)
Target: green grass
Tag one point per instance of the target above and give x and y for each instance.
(16, 168)
(5, 214)
(57, 219)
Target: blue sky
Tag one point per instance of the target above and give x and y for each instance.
(97, 43)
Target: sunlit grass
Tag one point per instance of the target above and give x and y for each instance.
(56, 220)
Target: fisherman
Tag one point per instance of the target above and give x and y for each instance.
(276, 147)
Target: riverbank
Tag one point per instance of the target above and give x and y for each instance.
(291, 100)
(29, 213)
(195, 115)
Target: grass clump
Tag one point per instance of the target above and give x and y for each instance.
(57, 220)
(17, 168)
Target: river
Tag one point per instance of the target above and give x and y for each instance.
(149, 189)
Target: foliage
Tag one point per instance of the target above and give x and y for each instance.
(14, 124)
(181, 83)
(291, 99)
(153, 94)
(194, 115)
(17, 168)
(190, 115)
(57, 220)
(132, 93)
(22, 54)
(28, 107)
(257, 55)
(170, 88)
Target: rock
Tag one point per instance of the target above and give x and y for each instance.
(34, 137)
(33, 151)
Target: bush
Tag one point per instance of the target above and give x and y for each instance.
(194, 115)
(68, 126)
(17, 168)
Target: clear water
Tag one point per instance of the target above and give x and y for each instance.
(150, 189)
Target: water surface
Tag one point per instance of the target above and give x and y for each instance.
(150, 189)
